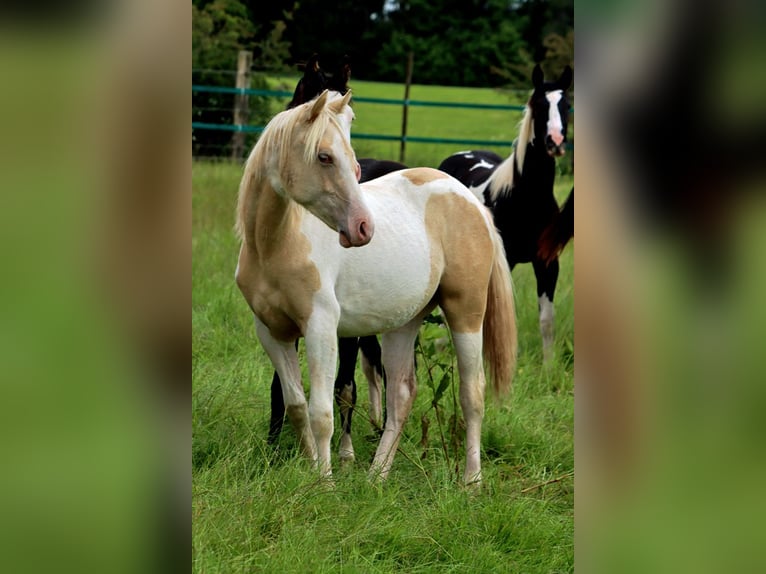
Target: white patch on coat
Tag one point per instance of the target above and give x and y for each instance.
(546, 326)
(482, 164)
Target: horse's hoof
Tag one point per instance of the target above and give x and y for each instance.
(346, 457)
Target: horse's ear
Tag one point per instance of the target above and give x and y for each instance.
(318, 106)
(537, 77)
(312, 65)
(339, 80)
(565, 80)
(338, 105)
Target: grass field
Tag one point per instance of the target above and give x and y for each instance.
(259, 510)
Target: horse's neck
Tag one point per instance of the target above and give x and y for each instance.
(538, 173)
(276, 219)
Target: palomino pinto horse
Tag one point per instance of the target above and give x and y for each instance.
(314, 82)
(321, 256)
(519, 190)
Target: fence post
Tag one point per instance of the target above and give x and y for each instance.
(407, 82)
(241, 101)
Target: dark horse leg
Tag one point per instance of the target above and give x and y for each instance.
(546, 276)
(277, 419)
(345, 393)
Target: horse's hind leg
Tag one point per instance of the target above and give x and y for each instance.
(345, 393)
(398, 361)
(284, 357)
(372, 367)
(468, 348)
(546, 275)
(464, 310)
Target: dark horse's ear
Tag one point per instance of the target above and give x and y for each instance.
(312, 65)
(537, 77)
(311, 84)
(339, 80)
(565, 80)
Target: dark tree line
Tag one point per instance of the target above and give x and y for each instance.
(465, 42)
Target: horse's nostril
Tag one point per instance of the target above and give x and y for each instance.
(366, 230)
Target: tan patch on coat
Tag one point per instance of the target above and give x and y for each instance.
(276, 276)
(422, 175)
(461, 229)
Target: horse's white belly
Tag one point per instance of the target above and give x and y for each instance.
(383, 288)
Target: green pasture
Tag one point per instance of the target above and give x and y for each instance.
(256, 509)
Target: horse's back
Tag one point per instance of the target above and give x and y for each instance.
(472, 168)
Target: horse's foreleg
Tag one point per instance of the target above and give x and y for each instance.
(345, 393)
(322, 356)
(277, 418)
(284, 357)
(372, 367)
(546, 276)
(398, 361)
(468, 348)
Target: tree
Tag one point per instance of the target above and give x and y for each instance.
(455, 43)
(220, 29)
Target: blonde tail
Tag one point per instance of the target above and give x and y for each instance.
(500, 338)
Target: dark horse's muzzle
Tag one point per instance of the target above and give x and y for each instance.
(555, 147)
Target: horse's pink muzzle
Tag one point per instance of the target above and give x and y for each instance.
(555, 143)
(359, 233)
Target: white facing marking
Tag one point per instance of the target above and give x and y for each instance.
(482, 164)
(554, 117)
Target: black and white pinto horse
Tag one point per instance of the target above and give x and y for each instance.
(519, 190)
(313, 83)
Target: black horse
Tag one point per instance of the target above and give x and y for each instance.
(519, 190)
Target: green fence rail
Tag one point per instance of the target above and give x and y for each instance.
(399, 138)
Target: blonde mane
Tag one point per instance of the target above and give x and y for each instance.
(276, 140)
(501, 181)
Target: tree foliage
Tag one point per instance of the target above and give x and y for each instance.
(466, 42)
(220, 29)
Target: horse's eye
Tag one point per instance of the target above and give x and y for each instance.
(324, 158)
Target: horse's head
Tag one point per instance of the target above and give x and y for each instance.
(315, 81)
(311, 84)
(550, 110)
(318, 167)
